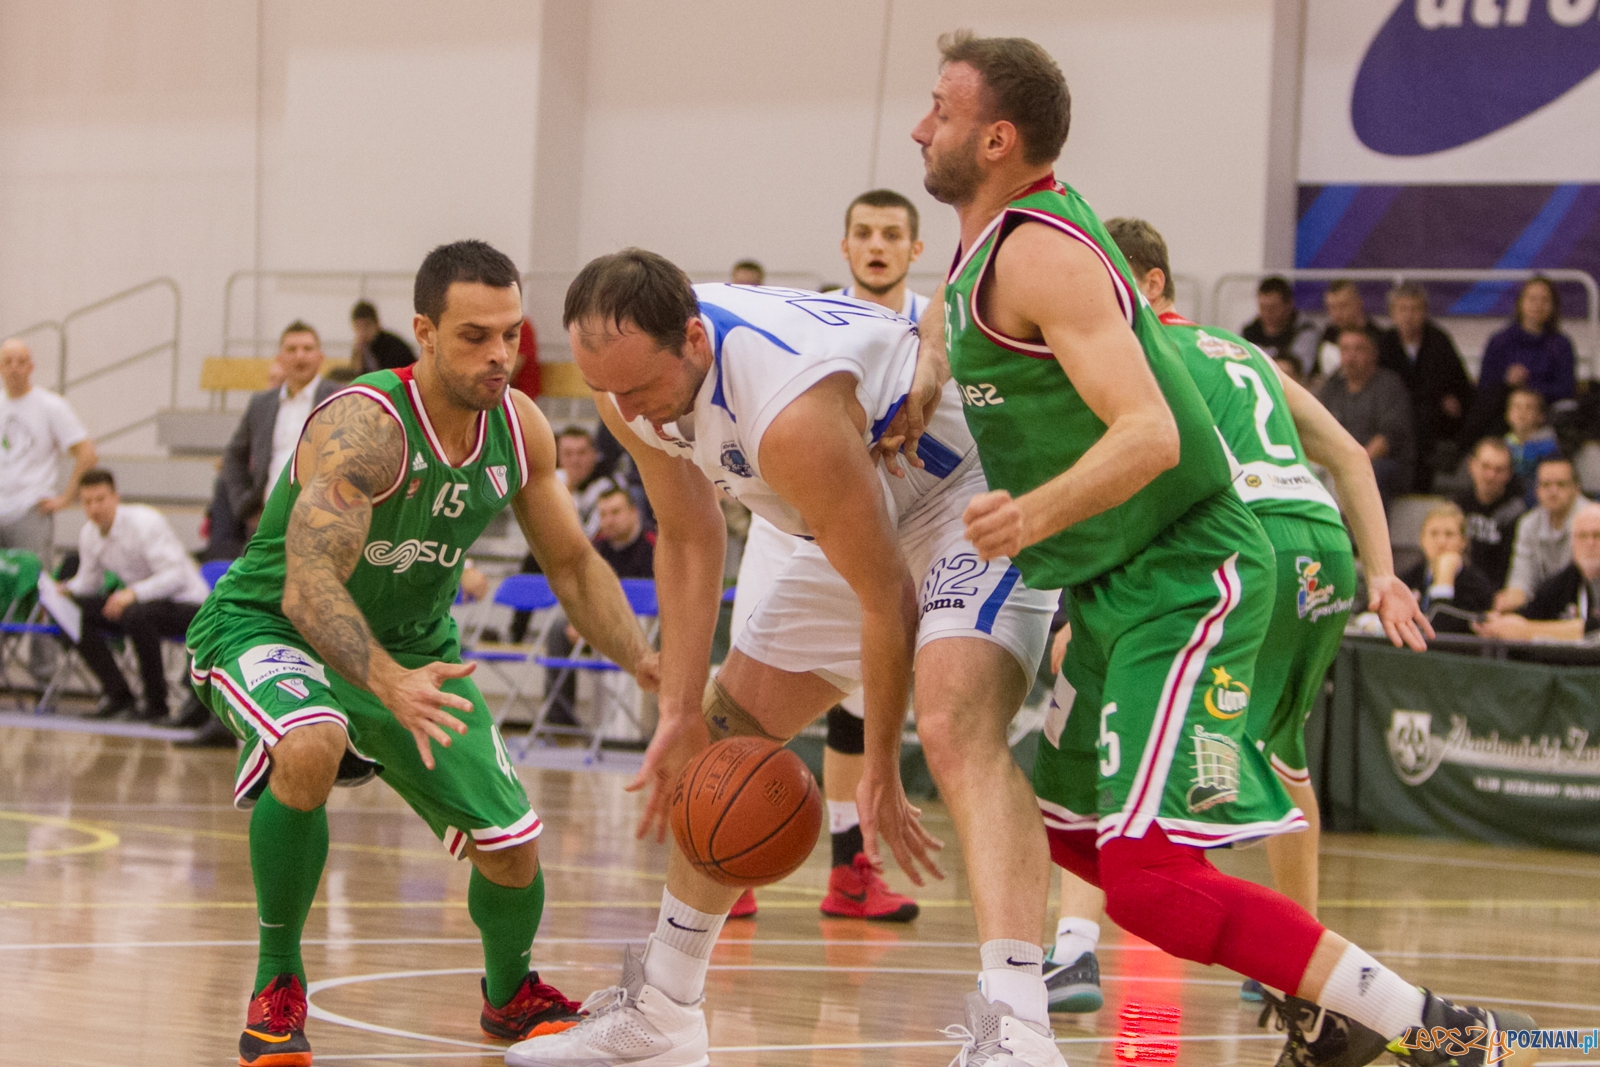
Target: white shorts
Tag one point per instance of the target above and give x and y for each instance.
(809, 619)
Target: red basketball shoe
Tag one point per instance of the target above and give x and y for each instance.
(533, 1010)
(275, 1029)
(745, 906)
(859, 892)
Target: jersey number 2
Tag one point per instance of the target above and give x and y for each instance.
(1246, 378)
(449, 502)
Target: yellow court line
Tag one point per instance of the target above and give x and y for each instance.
(102, 839)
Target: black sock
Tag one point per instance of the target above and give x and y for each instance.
(846, 843)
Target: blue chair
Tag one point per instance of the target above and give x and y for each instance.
(519, 592)
(212, 570)
(641, 594)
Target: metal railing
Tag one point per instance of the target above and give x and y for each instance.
(50, 325)
(1589, 356)
(65, 382)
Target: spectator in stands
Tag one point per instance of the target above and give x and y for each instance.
(748, 272)
(376, 348)
(1543, 544)
(1493, 503)
(267, 435)
(1279, 330)
(1446, 583)
(161, 592)
(37, 427)
(1530, 352)
(1527, 437)
(1426, 359)
(629, 548)
(1566, 606)
(1345, 312)
(1372, 404)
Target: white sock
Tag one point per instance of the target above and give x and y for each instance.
(1013, 973)
(1372, 994)
(842, 815)
(677, 954)
(1074, 937)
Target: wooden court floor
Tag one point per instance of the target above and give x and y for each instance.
(127, 930)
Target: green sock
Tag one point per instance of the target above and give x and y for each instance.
(287, 851)
(507, 919)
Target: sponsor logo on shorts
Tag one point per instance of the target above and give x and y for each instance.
(296, 688)
(1227, 697)
(1216, 771)
(401, 556)
(265, 662)
(733, 461)
(1219, 347)
(1314, 599)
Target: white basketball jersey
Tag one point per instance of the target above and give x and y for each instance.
(769, 346)
(915, 303)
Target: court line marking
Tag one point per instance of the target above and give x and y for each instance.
(102, 839)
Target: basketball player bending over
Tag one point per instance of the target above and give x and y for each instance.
(775, 396)
(1127, 502)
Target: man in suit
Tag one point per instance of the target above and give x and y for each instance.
(266, 437)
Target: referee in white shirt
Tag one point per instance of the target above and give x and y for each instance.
(162, 591)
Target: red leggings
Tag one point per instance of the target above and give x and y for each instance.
(1173, 897)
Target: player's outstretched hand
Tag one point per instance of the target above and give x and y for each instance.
(1397, 609)
(678, 739)
(417, 699)
(994, 524)
(911, 421)
(883, 807)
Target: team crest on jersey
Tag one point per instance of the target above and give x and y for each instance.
(295, 687)
(265, 662)
(411, 490)
(1227, 697)
(733, 461)
(1218, 348)
(1216, 771)
(418, 463)
(497, 479)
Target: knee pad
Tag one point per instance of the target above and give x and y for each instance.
(725, 718)
(846, 733)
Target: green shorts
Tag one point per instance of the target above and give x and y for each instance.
(1148, 720)
(1316, 587)
(263, 684)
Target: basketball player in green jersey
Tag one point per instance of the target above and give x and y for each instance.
(1110, 482)
(330, 651)
(1270, 426)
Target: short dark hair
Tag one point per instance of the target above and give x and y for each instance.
(1554, 457)
(1409, 291)
(1144, 248)
(575, 431)
(618, 490)
(1339, 285)
(885, 198)
(97, 476)
(1276, 283)
(299, 326)
(1026, 88)
(363, 312)
(638, 287)
(749, 264)
(461, 261)
(1357, 331)
(1491, 442)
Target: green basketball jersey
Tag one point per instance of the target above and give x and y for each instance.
(422, 525)
(1031, 424)
(1241, 387)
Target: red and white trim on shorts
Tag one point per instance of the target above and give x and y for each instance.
(415, 394)
(1177, 693)
(383, 401)
(270, 730)
(1057, 817)
(493, 838)
(519, 444)
(1288, 774)
(1215, 835)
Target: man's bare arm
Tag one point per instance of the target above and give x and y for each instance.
(84, 457)
(586, 586)
(933, 370)
(1049, 286)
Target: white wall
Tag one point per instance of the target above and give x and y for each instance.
(194, 138)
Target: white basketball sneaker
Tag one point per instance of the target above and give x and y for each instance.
(631, 1024)
(996, 1038)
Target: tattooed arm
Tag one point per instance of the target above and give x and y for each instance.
(351, 451)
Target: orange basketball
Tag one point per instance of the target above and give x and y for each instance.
(746, 812)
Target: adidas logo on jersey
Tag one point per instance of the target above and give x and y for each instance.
(418, 463)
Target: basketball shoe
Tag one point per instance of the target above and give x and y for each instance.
(534, 1009)
(993, 1037)
(631, 1024)
(1461, 1035)
(859, 892)
(275, 1028)
(1074, 988)
(1317, 1037)
(745, 906)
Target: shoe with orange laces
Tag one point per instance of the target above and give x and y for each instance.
(275, 1029)
(533, 1010)
(859, 892)
(745, 906)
